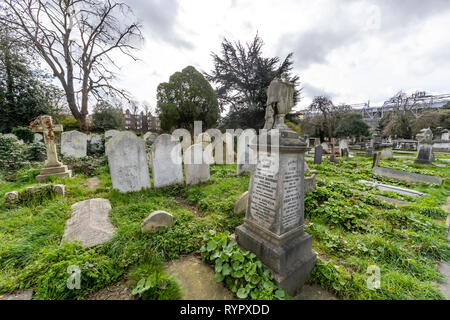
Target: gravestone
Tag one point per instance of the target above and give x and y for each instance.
(369, 152)
(241, 203)
(127, 162)
(95, 142)
(343, 147)
(52, 167)
(318, 150)
(110, 133)
(205, 140)
(425, 148)
(387, 154)
(196, 167)
(89, 223)
(228, 148)
(150, 137)
(376, 159)
(12, 197)
(387, 187)
(185, 137)
(167, 161)
(74, 144)
(325, 148)
(406, 176)
(38, 137)
(273, 227)
(155, 221)
(246, 156)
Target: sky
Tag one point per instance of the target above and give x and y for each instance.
(354, 51)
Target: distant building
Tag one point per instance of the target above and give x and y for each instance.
(141, 122)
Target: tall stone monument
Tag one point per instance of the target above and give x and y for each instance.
(52, 167)
(273, 227)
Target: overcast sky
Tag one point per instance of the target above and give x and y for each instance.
(351, 50)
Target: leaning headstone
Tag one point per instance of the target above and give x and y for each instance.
(167, 161)
(318, 154)
(195, 167)
(246, 157)
(89, 223)
(273, 227)
(52, 166)
(74, 144)
(425, 153)
(127, 162)
(156, 220)
(241, 203)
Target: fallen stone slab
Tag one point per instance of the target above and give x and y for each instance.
(387, 187)
(406, 176)
(18, 295)
(89, 223)
(157, 220)
(196, 280)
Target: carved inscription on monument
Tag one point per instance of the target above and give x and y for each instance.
(291, 194)
(263, 202)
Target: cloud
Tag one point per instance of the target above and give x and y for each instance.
(159, 18)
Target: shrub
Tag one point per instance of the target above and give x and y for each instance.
(86, 165)
(241, 271)
(37, 152)
(24, 133)
(12, 157)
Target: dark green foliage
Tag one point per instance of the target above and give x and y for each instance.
(69, 123)
(37, 152)
(12, 157)
(351, 125)
(87, 166)
(107, 117)
(186, 98)
(242, 272)
(24, 133)
(25, 92)
(242, 76)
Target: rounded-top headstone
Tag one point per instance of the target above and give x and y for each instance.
(156, 220)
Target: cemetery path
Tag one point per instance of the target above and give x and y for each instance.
(444, 267)
(191, 208)
(196, 279)
(117, 291)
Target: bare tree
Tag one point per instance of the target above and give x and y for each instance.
(76, 38)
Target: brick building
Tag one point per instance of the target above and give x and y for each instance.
(141, 122)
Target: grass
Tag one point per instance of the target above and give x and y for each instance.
(351, 231)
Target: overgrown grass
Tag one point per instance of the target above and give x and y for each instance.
(351, 231)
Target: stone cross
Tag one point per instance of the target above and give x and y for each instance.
(44, 125)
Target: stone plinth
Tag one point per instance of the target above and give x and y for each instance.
(274, 221)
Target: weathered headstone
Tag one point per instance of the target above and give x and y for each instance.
(325, 148)
(95, 142)
(369, 152)
(110, 133)
(241, 203)
(387, 154)
(195, 166)
(12, 197)
(185, 137)
(273, 227)
(228, 148)
(406, 176)
(52, 166)
(167, 161)
(387, 187)
(74, 144)
(246, 157)
(127, 162)
(156, 220)
(38, 137)
(376, 159)
(89, 223)
(150, 137)
(318, 154)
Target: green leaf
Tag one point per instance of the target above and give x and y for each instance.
(280, 294)
(211, 245)
(226, 269)
(219, 277)
(242, 293)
